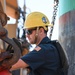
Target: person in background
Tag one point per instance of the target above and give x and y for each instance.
(44, 59)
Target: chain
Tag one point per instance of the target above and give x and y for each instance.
(56, 2)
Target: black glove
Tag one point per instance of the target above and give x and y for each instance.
(5, 56)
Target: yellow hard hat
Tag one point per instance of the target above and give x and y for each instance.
(36, 19)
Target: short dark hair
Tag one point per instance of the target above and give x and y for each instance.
(44, 29)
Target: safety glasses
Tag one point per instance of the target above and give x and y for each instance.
(29, 31)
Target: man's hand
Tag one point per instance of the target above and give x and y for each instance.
(5, 55)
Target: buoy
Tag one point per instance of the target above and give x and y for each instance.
(5, 72)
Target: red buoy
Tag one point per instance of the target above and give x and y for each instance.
(5, 72)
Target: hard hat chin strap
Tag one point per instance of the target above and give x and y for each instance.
(36, 36)
(37, 31)
(45, 28)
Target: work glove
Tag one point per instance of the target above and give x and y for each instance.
(5, 56)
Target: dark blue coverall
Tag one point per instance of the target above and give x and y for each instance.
(45, 61)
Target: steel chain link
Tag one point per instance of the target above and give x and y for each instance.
(56, 2)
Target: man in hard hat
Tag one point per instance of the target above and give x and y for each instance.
(44, 59)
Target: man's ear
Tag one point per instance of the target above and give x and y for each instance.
(41, 30)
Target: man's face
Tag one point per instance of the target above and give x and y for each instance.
(31, 35)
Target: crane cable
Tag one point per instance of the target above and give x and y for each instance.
(56, 2)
